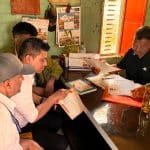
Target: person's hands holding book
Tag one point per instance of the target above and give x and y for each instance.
(59, 95)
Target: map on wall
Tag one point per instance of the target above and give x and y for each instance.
(68, 26)
(30, 7)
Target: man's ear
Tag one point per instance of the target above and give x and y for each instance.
(7, 84)
(28, 59)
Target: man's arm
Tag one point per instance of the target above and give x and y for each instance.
(46, 105)
(38, 90)
(47, 78)
(29, 144)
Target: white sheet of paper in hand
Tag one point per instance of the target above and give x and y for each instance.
(118, 85)
(104, 68)
(72, 105)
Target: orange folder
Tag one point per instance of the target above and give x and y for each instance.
(121, 99)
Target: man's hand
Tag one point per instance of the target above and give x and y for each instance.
(59, 95)
(95, 70)
(30, 145)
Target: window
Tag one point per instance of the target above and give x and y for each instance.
(113, 14)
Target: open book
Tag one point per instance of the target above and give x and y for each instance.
(72, 105)
(81, 86)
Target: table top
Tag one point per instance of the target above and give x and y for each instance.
(117, 123)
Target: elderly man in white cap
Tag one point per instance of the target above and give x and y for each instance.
(11, 71)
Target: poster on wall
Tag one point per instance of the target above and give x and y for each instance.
(30, 7)
(68, 26)
(40, 24)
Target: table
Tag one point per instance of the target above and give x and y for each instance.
(116, 123)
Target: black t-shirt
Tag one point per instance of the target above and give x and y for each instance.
(137, 69)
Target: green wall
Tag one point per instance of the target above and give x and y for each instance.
(7, 21)
(90, 23)
(147, 17)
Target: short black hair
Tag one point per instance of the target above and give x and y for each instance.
(33, 47)
(143, 33)
(24, 28)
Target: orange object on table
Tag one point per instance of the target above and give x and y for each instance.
(127, 100)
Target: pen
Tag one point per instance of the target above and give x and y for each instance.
(107, 78)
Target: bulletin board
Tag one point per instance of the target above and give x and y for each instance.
(30, 7)
(68, 25)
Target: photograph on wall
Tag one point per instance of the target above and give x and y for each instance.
(68, 26)
(40, 24)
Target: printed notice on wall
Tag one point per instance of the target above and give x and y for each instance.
(68, 26)
(40, 24)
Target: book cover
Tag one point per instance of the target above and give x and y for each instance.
(81, 86)
(72, 104)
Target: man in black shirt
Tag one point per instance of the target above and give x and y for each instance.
(136, 61)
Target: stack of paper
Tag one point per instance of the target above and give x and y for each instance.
(118, 85)
(77, 61)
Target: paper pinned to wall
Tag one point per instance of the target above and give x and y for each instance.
(68, 26)
(40, 24)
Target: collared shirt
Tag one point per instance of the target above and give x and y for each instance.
(25, 110)
(53, 69)
(137, 69)
(9, 136)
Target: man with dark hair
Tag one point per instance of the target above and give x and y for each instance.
(136, 61)
(34, 51)
(24, 28)
(50, 75)
(22, 31)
